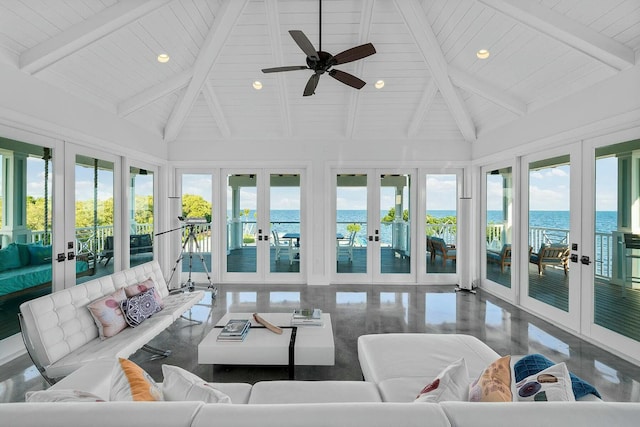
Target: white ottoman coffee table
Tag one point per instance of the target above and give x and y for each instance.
(297, 346)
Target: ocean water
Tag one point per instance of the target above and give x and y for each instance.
(289, 220)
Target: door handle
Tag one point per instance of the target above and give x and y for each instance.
(585, 260)
(70, 256)
(61, 257)
(371, 238)
(574, 257)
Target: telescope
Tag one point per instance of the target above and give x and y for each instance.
(193, 220)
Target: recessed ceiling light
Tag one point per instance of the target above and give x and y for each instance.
(483, 54)
(379, 84)
(163, 57)
(257, 85)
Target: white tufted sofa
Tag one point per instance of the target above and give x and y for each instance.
(61, 335)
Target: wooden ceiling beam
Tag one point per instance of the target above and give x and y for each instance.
(86, 32)
(488, 91)
(366, 17)
(152, 94)
(421, 112)
(567, 31)
(273, 26)
(216, 110)
(428, 44)
(223, 24)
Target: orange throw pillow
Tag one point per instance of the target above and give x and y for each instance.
(130, 382)
(494, 384)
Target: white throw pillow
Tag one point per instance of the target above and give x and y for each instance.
(181, 385)
(551, 384)
(452, 384)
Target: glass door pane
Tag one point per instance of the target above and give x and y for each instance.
(441, 218)
(242, 205)
(141, 216)
(196, 213)
(351, 223)
(94, 207)
(499, 227)
(549, 225)
(286, 247)
(395, 224)
(25, 228)
(616, 281)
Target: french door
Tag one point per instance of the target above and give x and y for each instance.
(372, 226)
(263, 221)
(93, 219)
(551, 234)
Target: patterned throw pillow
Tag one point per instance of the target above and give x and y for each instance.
(534, 363)
(107, 314)
(551, 384)
(130, 382)
(139, 308)
(61, 396)
(494, 384)
(138, 288)
(181, 385)
(452, 384)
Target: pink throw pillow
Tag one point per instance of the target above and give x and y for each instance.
(107, 314)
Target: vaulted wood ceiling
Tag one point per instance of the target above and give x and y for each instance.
(104, 51)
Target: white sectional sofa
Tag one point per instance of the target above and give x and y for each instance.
(61, 335)
(323, 403)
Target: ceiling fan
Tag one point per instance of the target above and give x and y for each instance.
(322, 62)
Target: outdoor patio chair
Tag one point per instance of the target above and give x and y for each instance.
(440, 247)
(281, 247)
(345, 246)
(502, 258)
(553, 254)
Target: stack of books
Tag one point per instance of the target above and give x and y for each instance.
(235, 330)
(306, 317)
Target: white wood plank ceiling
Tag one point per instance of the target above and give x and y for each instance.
(435, 88)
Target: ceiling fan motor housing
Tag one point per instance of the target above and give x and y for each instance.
(323, 64)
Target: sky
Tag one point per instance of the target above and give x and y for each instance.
(549, 189)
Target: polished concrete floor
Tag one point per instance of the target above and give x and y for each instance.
(368, 309)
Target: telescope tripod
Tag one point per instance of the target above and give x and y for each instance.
(187, 248)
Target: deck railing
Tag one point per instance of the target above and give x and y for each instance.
(394, 236)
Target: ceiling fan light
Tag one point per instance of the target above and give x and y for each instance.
(483, 54)
(379, 84)
(163, 58)
(257, 85)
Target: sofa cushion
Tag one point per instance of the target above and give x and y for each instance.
(494, 384)
(534, 363)
(399, 355)
(23, 252)
(450, 384)
(140, 307)
(272, 392)
(180, 385)
(130, 382)
(39, 254)
(9, 257)
(368, 414)
(61, 396)
(551, 384)
(108, 315)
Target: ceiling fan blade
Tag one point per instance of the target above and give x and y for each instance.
(287, 68)
(312, 83)
(354, 54)
(303, 42)
(348, 79)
